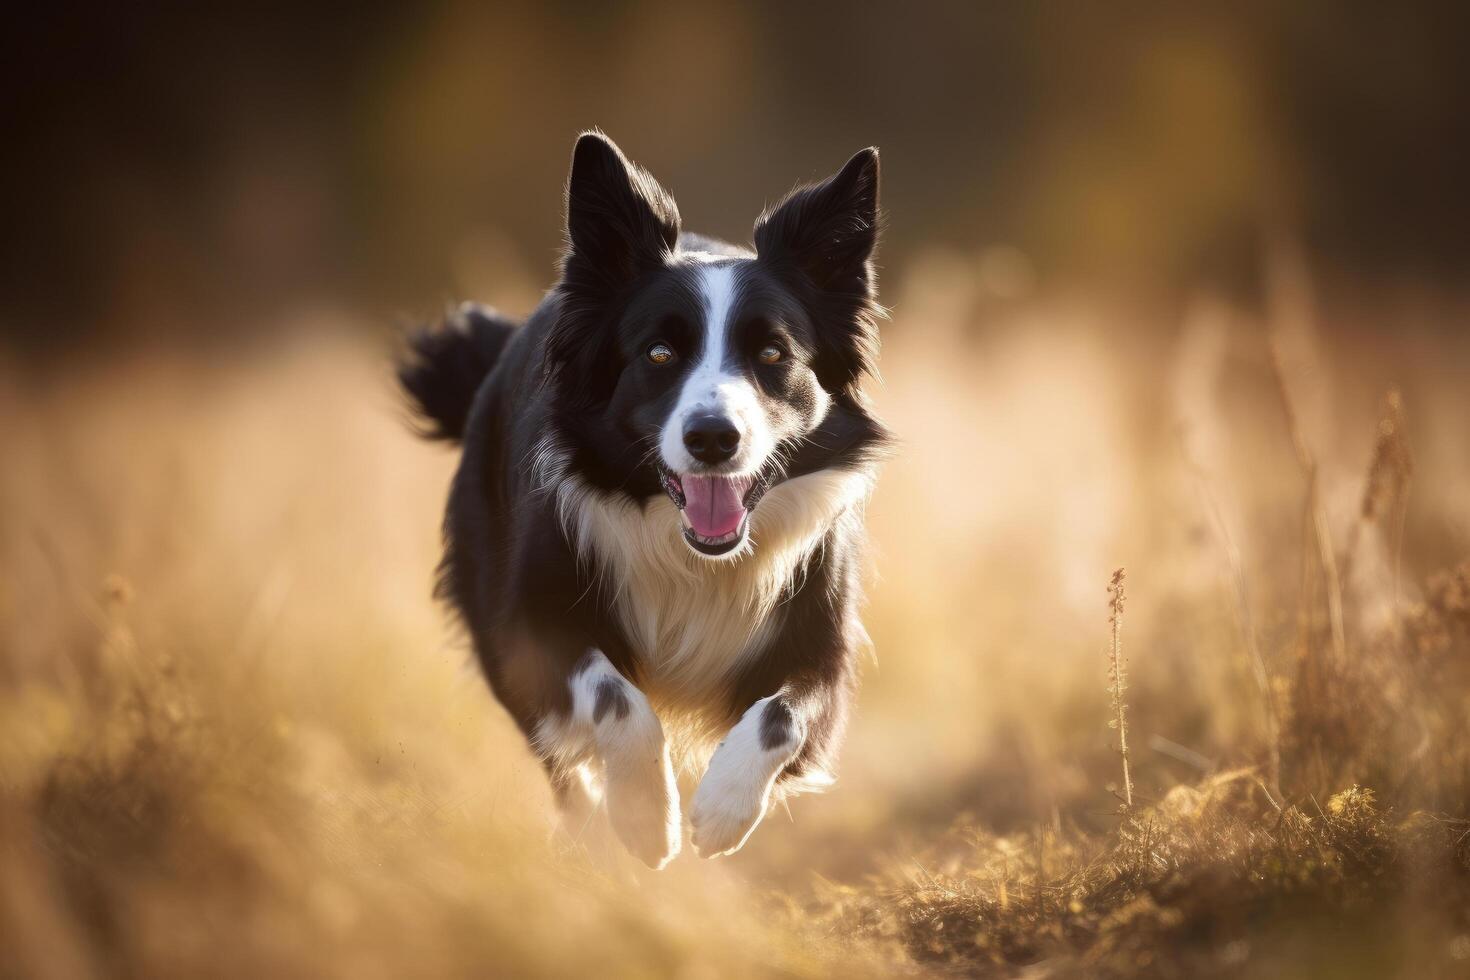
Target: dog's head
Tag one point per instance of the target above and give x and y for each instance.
(705, 372)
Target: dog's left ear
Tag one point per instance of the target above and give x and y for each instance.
(825, 234)
(828, 230)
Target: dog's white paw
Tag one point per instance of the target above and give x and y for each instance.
(612, 722)
(735, 792)
(724, 815)
(644, 813)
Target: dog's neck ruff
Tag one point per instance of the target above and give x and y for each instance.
(693, 622)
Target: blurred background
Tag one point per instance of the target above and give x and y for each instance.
(182, 171)
(1175, 288)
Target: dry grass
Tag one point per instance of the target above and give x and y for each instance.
(1206, 881)
(1118, 680)
(236, 737)
(1218, 871)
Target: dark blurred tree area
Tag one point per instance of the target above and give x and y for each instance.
(176, 170)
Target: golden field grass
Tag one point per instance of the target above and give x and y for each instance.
(237, 737)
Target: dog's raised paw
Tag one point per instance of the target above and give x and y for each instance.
(724, 815)
(735, 792)
(646, 821)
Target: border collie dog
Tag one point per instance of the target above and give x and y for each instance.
(653, 536)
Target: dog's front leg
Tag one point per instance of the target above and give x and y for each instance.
(626, 738)
(736, 790)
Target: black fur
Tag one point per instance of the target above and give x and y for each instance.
(611, 699)
(620, 225)
(577, 372)
(821, 241)
(445, 366)
(776, 725)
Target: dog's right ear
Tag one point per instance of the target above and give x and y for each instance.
(620, 225)
(620, 222)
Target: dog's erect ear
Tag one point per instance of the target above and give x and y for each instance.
(828, 230)
(620, 225)
(619, 220)
(822, 237)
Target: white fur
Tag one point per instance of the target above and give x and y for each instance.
(693, 622)
(711, 388)
(735, 792)
(630, 749)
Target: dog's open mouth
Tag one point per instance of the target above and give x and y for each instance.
(715, 510)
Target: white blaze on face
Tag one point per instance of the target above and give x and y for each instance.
(715, 385)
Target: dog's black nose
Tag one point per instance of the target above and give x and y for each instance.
(711, 438)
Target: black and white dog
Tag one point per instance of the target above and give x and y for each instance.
(653, 536)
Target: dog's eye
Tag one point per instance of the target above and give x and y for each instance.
(770, 354)
(660, 353)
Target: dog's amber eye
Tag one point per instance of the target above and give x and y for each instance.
(660, 353)
(769, 354)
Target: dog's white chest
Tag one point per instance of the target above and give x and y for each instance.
(694, 635)
(693, 622)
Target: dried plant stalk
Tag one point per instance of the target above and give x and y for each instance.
(1316, 512)
(1390, 473)
(1117, 681)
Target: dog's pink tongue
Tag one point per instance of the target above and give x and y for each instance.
(714, 505)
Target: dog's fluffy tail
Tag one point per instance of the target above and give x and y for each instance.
(444, 366)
